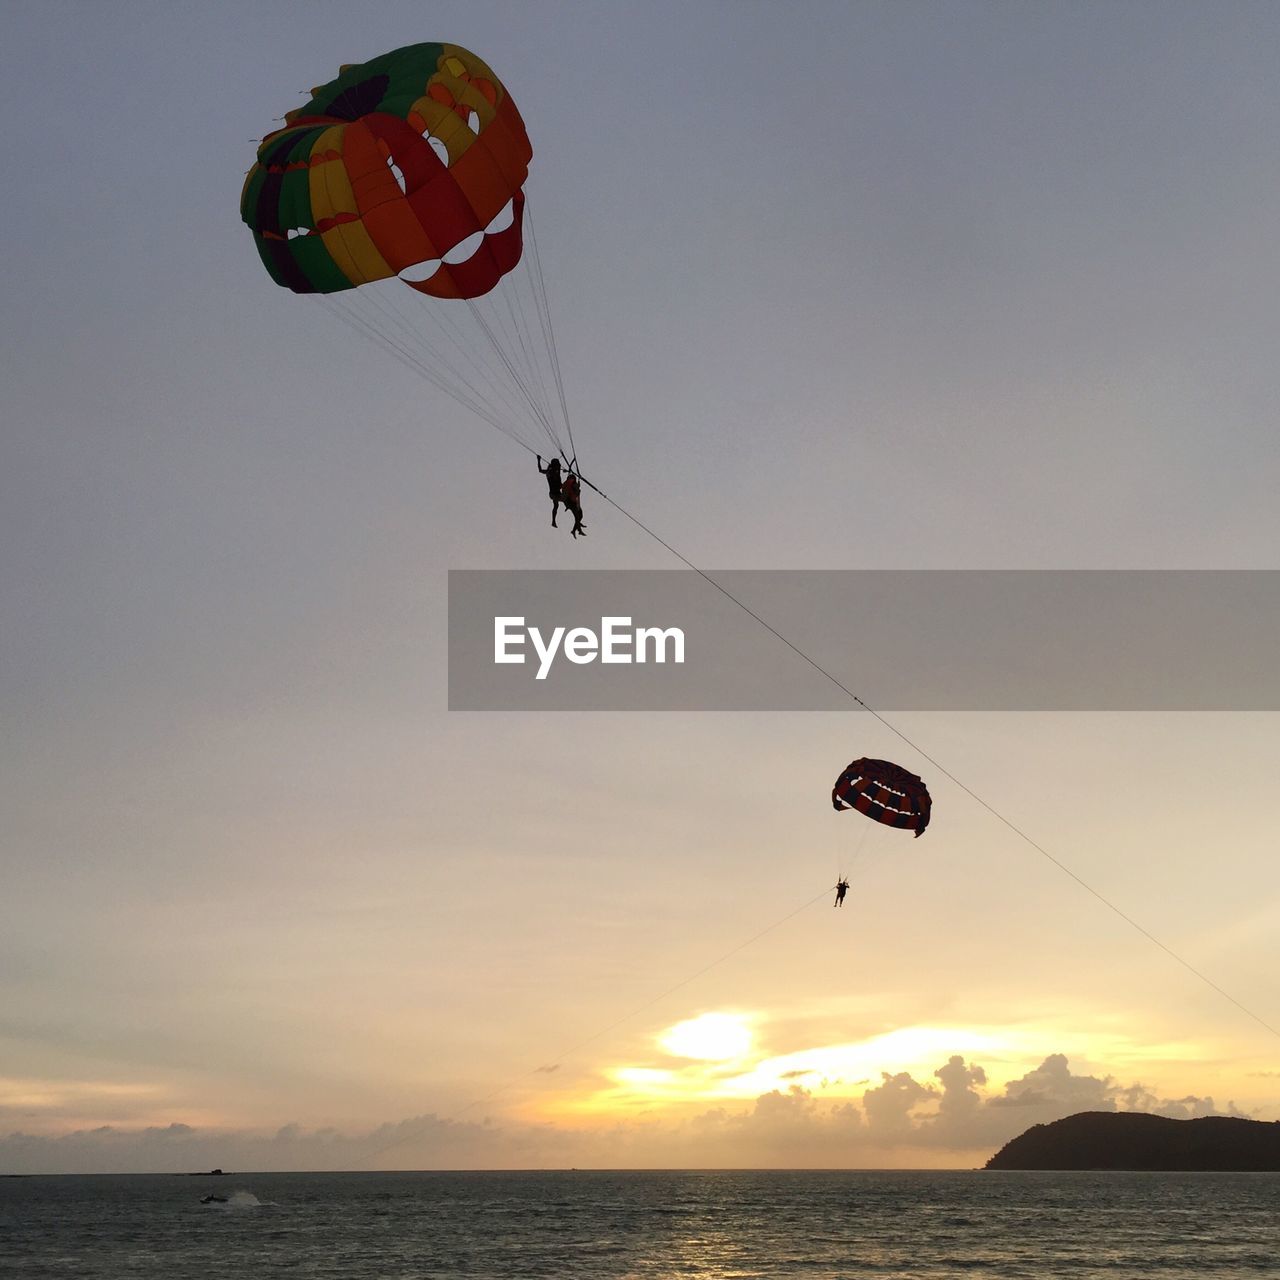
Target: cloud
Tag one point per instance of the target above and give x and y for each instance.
(959, 1096)
(1052, 1085)
(900, 1122)
(965, 1119)
(425, 1141)
(1192, 1108)
(888, 1106)
(791, 1128)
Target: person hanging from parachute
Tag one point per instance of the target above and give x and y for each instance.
(885, 793)
(552, 472)
(571, 496)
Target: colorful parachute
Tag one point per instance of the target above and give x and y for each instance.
(410, 164)
(413, 165)
(885, 792)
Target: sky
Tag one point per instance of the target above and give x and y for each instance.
(850, 285)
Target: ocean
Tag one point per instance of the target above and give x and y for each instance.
(594, 1224)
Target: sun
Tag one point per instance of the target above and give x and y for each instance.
(710, 1037)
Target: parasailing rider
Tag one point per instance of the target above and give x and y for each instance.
(842, 887)
(552, 472)
(571, 496)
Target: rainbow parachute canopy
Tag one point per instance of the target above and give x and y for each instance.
(411, 164)
(885, 792)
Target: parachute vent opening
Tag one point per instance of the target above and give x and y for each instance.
(420, 271)
(465, 249)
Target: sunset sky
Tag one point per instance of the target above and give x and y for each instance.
(898, 285)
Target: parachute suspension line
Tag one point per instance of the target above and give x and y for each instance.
(448, 378)
(549, 336)
(368, 326)
(395, 337)
(946, 773)
(472, 354)
(465, 360)
(514, 375)
(626, 1017)
(370, 331)
(513, 341)
(401, 323)
(496, 306)
(844, 861)
(463, 356)
(519, 322)
(538, 412)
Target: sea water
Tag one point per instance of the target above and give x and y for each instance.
(595, 1224)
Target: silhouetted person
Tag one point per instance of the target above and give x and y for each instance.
(842, 887)
(571, 496)
(552, 472)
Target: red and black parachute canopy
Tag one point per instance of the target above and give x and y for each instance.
(885, 792)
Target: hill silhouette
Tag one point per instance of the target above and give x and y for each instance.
(1135, 1140)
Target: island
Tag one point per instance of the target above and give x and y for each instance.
(1135, 1140)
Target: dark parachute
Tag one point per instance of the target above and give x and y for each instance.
(885, 792)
